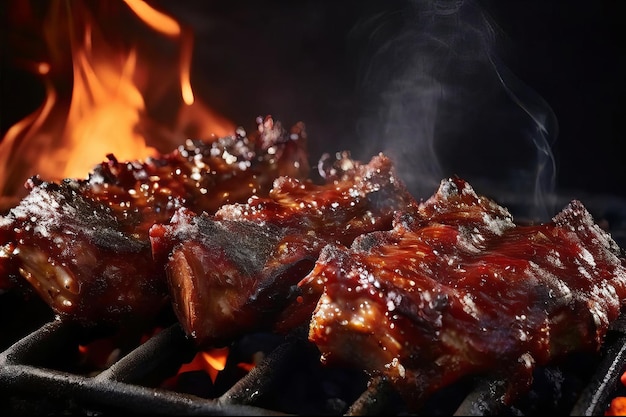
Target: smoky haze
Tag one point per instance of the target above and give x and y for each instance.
(422, 81)
(439, 102)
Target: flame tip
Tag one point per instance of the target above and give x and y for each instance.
(116, 90)
(155, 19)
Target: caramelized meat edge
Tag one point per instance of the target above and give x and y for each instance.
(237, 271)
(83, 245)
(457, 288)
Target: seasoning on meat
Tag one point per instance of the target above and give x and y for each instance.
(457, 288)
(237, 271)
(83, 245)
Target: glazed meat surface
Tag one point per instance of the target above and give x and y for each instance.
(237, 271)
(456, 288)
(83, 245)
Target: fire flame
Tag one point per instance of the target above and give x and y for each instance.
(102, 353)
(212, 362)
(110, 88)
(104, 94)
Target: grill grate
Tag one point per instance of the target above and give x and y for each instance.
(132, 383)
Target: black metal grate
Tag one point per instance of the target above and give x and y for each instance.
(31, 383)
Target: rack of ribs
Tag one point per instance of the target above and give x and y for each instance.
(82, 244)
(237, 271)
(457, 288)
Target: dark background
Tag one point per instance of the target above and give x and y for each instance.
(330, 64)
(573, 54)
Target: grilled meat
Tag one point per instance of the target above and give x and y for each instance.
(458, 289)
(83, 245)
(238, 270)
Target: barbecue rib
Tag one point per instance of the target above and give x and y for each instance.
(237, 271)
(83, 245)
(458, 289)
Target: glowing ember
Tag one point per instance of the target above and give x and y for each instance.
(108, 90)
(618, 404)
(617, 407)
(100, 354)
(211, 362)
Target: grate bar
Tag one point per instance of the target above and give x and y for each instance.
(50, 338)
(597, 394)
(168, 346)
(374, 399)
(249, 389)
(122, 387)
(484, 400)
(113, 395)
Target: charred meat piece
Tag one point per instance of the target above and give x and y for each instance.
(238, 270)
(83, 245)
(458, 289)
(215, 269)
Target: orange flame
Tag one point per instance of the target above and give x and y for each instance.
(617, 406)
(155, 19)
(168, 26)
(212, 362)
(108, 90)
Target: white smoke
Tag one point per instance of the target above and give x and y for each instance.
(439, 101)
